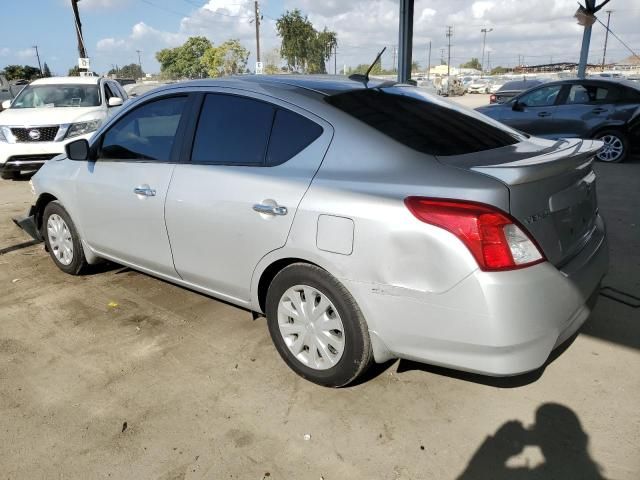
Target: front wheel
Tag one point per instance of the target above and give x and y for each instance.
(62, 239)
(615, 148)
(316, 326)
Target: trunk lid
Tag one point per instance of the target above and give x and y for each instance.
(551, 189)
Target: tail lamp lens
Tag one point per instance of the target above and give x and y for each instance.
(492, 236)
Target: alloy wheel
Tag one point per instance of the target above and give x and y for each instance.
(60, 240)
(311, 327)
(612, 149)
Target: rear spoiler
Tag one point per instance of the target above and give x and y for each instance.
(577, 154)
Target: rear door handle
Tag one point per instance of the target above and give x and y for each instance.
(270, 209)
(544, 114)
(145, 190)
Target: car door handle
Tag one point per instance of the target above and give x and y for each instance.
(599, 110)
(544, 114)
(270, 209)
(144, 190)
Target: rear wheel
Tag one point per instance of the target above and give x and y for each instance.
(615, 146)
(317, 326)
(62, 239)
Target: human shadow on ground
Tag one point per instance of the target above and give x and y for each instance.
(558, 434)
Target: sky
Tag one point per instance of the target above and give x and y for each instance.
(542, 31)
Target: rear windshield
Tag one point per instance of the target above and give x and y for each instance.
(423, 122)
(519, 85)
(57, 95)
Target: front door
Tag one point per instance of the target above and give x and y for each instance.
(121, 194)
(534, 111)
(251, 163)
(584, 108)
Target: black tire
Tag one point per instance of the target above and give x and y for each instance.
(357, 354)
(624, 140)
(78, 262)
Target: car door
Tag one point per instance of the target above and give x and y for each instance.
(121, 194)
(251, 163)
(583, 108)
(533, 112)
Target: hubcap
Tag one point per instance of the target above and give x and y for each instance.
(311, 327)
(611, 150)
(60, 240)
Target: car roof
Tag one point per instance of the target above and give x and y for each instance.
(596, 80)
(322, 84)
(66, 80)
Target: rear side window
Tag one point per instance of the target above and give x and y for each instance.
(146, 133)
(291, 133)
(581, 94)
(232, 130)
(422, 123)
(630, 95)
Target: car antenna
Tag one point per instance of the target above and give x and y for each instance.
(358, 77)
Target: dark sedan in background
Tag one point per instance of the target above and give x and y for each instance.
(510, 89)
(608, 110)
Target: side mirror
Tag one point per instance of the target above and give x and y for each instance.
(517, 106)
(6, 104)
(78, 150)
(115, 102)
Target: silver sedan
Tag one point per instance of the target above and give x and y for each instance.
(366, 221)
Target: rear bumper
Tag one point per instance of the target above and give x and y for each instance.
(493, 323)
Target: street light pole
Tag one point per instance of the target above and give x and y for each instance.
(484, 43)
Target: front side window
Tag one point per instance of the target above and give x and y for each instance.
(542, 97)
(232, 130)
(63, 95)
(146, 133)
(580, 94)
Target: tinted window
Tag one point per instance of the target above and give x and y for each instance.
(587, 94)
(541, 97)
(291, 133)
(232, 130)
(630, 95)
(58, 95)
(146, 133)
(424, 123)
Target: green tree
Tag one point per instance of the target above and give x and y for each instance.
(415, 66)
(473, 63)
(230, 58)
(184, 61)
(21, 72)
(132, 70)
(272, 61)
(499, 70)
(74, 71)
(303, 47)
(46, 72)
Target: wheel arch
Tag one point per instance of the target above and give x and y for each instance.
(43, 200)
(269, 273)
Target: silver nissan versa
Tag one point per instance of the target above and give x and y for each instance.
(366, 220)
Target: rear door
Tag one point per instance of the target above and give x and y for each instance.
(534, 111)
(121, 195)
(251, 163)
(583, 108)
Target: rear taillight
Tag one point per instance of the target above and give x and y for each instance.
(492, 99)
(496, 241)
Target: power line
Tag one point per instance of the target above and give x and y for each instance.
(617, 38)
(449, 34)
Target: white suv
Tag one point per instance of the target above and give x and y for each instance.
(48, 114)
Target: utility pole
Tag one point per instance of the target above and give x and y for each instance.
(82, 52)
(586, 17)
(484, 43)
(38, 56)
(395, 53)
(449, 35)
(489, 61)
(429, 62)
(139, 61)
(606, 37)
(335, 59)
(257, 20)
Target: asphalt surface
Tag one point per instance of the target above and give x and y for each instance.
(119, 375)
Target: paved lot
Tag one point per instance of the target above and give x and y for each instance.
(119, 375)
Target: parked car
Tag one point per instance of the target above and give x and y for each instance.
(49, 113)
(450, 86)
(496, 85)
(602, 109)
(8, 90)
(481, 85)
(448, 239)
(511, 89)
(138, 89)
